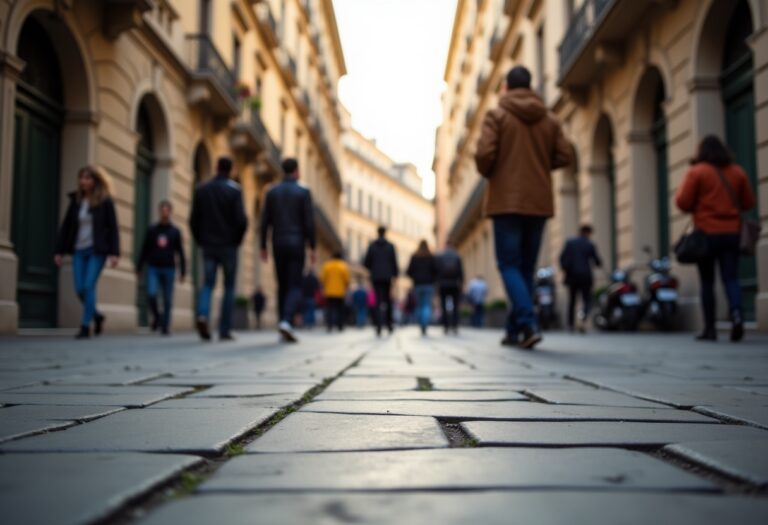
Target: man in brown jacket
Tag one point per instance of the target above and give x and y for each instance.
(520, 144)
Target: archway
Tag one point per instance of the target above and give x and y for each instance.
(650, 161)
(570, 199)
(603, 193)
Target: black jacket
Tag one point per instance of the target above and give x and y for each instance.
(381, 260)
(422, 270)
(288, 211)
(576, 261)
(106, 233)
(161, 244)
(218, 218)
(450, 270)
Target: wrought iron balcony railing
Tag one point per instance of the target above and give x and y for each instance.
(583, 25)
(207, 61)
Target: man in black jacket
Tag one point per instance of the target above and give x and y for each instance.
(289, 214)
(162, 244)
(218, 224)
(381, 262)
(576, 259)
(450, 279)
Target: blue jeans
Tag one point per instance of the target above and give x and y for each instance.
(518, 239)
(226, 257)
(86, 268)
(361, 316)
(161, 277)
(478, 313)
(309, 312)
(725, 252)
(424, 293)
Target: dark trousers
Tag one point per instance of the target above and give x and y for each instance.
(383, 291)
(258, 318)
(575, 290)
(450, 313)
(334, 317)
(289, 266)
(226, 257)
(724, 249)
(161, 279)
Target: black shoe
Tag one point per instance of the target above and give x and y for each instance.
(202, 329)
(98, 324)
(423, 330)
(530, 338)
(227, 337)
(709, 334)
(154, 325)
(509, 340)
(84, 333)
(737, 332)
(165, 332)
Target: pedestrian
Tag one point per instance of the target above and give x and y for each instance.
(334, 277)
(90, 234)
(289, 215)
(716, 190)
(259, 304)
(520, 144)
(578, 255)
(476, 293)
(360, 304)
(310, 292)
(160, 250)
(372, 302)
(450, 272)
(218, 224)
(381, 262)
(423, 272)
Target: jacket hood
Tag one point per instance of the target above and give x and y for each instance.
(524, 104)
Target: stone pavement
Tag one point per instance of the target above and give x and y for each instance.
(614, 429)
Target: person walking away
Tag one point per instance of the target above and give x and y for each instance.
(578, 255)
(162, 245)
(289, 216)
(372, 302)
(310, 290)
(381, 262)
(450, 276)
(360, 304)
(520, 144)
(259, 303)
(716, 190)
(91, 235)
(218, 224)
(422, 270)
(477, 292)
(334, 277)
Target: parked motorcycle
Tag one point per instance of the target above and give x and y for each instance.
(661, 293)
(544, 297)
(619, 304)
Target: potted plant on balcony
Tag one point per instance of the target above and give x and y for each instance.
(248, 100)
(240, 319)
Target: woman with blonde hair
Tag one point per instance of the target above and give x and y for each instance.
(91, 235)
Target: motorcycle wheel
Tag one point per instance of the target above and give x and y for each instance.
(665, 320)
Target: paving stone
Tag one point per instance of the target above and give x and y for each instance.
(424, 395)
(126, 396)
(150, 430)
(489, 508)
(604, 433)
(751, 415)
(687, 396)
(225, 403)
(443, 469)
(365, 384)
(314, 432)
(747, 460)
(252, 390)
(231, 380)
(72, 489)
(513, 410)
(21, 420)
(118, 378)
(596, 397)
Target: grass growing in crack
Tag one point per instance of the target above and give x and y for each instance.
(234, 449)
(424, 384)
(188, 483)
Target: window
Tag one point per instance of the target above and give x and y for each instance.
(348, 192)
(360, 201)
(282, 129)
(540, 61)
(236, 56)
(370, 206)
(205, 17)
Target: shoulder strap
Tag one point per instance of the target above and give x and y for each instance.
(728, 188)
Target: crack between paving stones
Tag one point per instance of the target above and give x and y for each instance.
(186, 482)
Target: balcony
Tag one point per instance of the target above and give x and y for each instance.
(330, 160)
(251, 139)
(496, 46)
(302, 100)
(288, 67)
(123, 15)
(326, 231)
(268, 24)
(213, 83)
(593, 41)
(470, 214)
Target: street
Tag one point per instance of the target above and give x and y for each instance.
(641, 428)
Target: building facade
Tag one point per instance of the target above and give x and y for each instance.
(155, 91)
(378, 191)
(636, 84)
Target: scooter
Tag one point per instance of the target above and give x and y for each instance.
(544, 297)
(661, 293)
(619, 304)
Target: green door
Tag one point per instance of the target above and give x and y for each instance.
(614, 255)
(737, 84)
(662, 180)
(145, 164)
(36, 207)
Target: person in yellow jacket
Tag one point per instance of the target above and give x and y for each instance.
(335, 280)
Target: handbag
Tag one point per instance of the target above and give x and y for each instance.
(749, 229)
(692, 246)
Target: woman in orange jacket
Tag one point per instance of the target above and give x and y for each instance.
(335, 280)
(705, 194)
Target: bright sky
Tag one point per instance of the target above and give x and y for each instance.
(395, 52)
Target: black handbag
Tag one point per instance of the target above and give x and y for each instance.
(692, 247)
